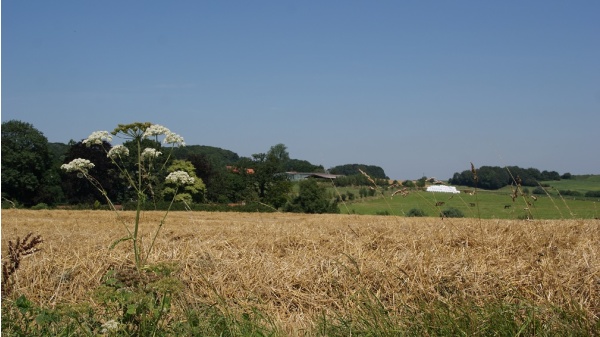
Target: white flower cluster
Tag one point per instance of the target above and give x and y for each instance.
(109, 326)
(150, 153)
(97, 137)
(79, 164)
(180, 177)
(173, 138)
(170, 137)
(156, 130)
(118, 151)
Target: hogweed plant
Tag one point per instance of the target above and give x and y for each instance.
(149, 162)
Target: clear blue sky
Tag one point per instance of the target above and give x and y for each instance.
(416, 87)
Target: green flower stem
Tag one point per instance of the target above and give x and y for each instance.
(136, 249)
(162, 222)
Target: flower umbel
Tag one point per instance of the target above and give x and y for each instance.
(156, 130)
(150, 153)
(108, 326)
(98, 137)
(78, 164)
(118, 151)
(173, 138)
(180, 177)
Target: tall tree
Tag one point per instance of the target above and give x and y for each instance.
(191, 192)
(280, 153)
(26, 163)
(264, 178)
(215, 176)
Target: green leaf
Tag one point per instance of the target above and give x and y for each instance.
(23, 304)
(132, 309)
(46, 317)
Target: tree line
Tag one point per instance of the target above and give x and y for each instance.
(32, 175)
(495, 177)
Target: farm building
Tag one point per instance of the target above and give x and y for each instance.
(442, 189)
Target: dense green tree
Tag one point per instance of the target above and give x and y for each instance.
(520, 176)
(421, 182)
(360, 180)
(215, 176)
(408, 183)
(311, 198)
(492, 178)
(465, 178)
(279, 152)
(27, 172)
(264, 176)
(350, 169)
(550, 175)
(58, 151)
(192, 192)
(80, 191)
(297, 165)
(214, 154)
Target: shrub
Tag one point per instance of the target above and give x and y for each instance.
(570, 192)
(39, 206)
(452, 213)
(538, 190)
(592, 194)
(416, 212)
(311, 198)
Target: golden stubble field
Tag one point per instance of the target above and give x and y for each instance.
(294, 266)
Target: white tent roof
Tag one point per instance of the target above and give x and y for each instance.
(442, 188)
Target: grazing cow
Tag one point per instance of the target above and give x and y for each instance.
(440, 203)
(472, 204)
(506, 206)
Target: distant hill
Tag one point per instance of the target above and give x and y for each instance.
(215, 154)
(227, 157)
(298, 165)
(373, 171)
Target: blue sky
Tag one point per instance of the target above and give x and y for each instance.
(416, 87)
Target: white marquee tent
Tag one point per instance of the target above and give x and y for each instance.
(442, 189)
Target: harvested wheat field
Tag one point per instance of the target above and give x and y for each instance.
(295, 268)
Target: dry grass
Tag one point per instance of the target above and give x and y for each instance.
(293, 267)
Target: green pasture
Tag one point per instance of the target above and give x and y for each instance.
(483, 204)
(580, 184)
